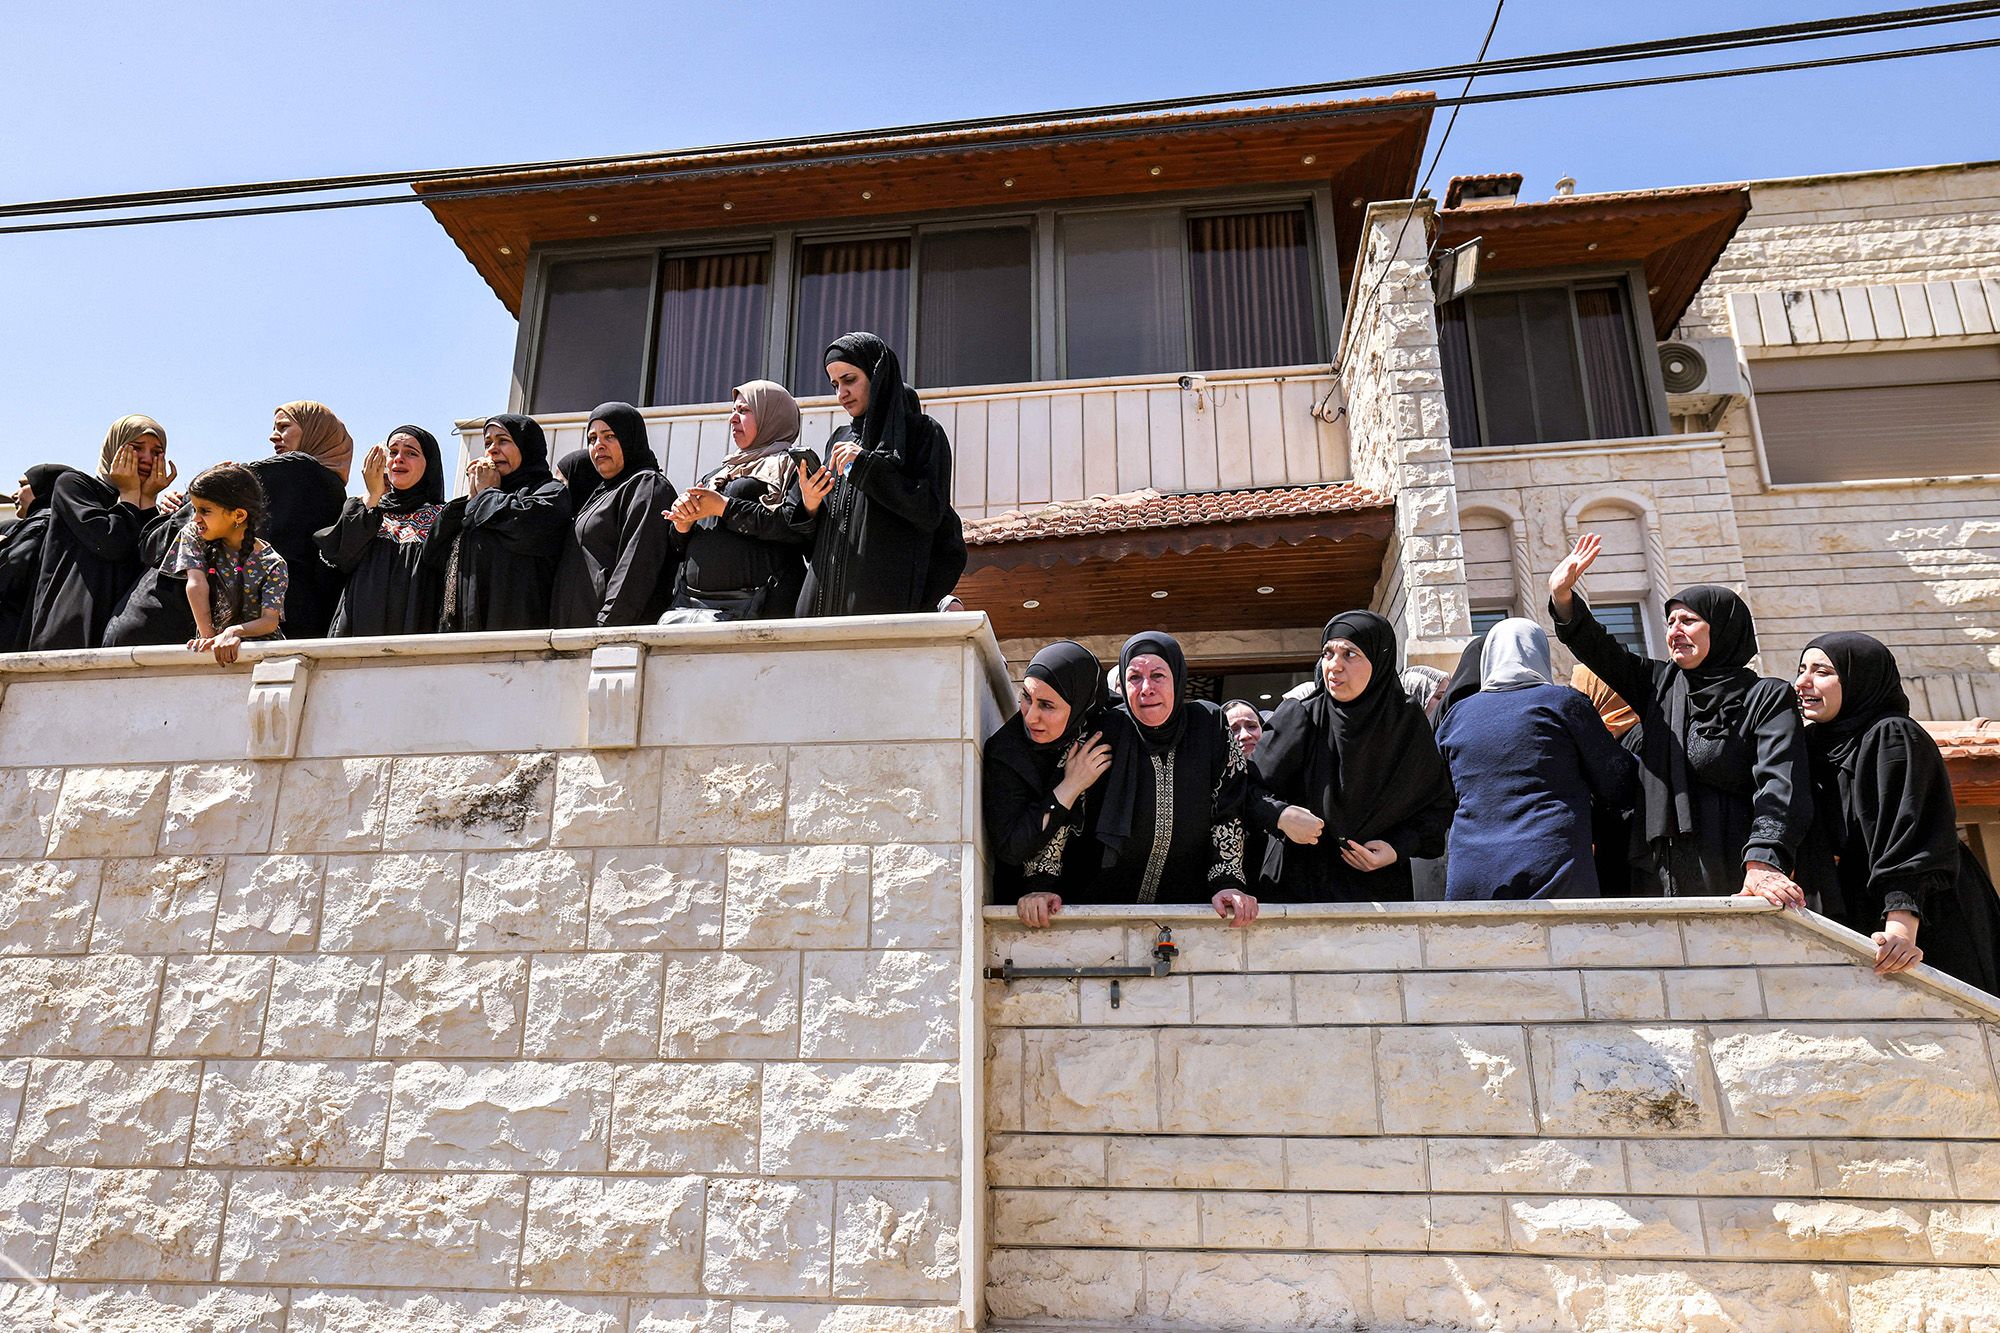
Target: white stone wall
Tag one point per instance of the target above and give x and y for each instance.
(1576, 1116)
(1399, 434)
(1916, 564)
(465, 1016)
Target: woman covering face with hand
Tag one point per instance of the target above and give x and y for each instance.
(1040, 771)
(1170, 816)
(743, 530)
(497, 545)
(378, 542)
(1884, 854)
(1724, 794)
(90, 555)
(618, 562)
(1349, 781)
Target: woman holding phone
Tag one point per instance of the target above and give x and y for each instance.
(743, 529)
(873, 549)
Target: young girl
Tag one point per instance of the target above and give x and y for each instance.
(235, 582)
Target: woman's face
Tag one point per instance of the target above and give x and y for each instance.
(1687, 637)
(850, 385)
(1043, 712)
(1149, 689)
(149, 452)
(24, 497)
(406, 461)
(501, 451)
(1818, 687)
(286, 434)
(607, 455)
(742, 424)
(1346, 669)
(1246, 727)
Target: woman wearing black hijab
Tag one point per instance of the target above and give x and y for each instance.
(91, 552)
(497, 545)
(1724, 790)
(618, 563)
(1039, 769)
(1170, 819)
(379, 543)
(21, 550)
(1349, 781)
(873, 551)
(1884, 855)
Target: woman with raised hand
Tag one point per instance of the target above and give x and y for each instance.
(305, 485)
(1724, 790)
(1528, 759)
(743, 530)
(1040, 769)
(378, 542)
(90, 554)
(1348, 781)
(21, 550)
(876, 547)
(1170, 817)
(497, 546)
(617, 564)
(1884, 855)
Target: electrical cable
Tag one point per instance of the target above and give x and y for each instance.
(1812, 30)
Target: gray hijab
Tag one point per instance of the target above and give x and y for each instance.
(1516, 656)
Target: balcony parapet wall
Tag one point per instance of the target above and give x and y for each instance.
(1582, 1115)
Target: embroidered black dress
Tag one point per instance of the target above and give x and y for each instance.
(380, 548)
(1037, 843)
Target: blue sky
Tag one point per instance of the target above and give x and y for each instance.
(208, 325)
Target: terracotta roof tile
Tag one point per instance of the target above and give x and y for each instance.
(1977, 739)
(1146, 510)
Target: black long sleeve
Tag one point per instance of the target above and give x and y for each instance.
(1625, 671)
(645, 552)
(344, 543)
(920, 499)
(1780, 768)
(107, 531)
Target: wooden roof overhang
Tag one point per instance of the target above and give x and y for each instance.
(1104, 582)
(1366, 149)
(1971, 753)
(1677, 234)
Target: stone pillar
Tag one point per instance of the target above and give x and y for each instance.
(1400, 435)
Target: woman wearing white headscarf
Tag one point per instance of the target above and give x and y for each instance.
(1526, 756)
(743, 538)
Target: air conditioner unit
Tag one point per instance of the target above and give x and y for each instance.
(1700, 368)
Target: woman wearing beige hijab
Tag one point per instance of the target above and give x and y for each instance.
(305, 481)
(743, 538)
(90, 556)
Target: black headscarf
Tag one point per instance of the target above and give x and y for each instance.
(41, 479)
(1871, 688)
(580, 475)
(1464, 682)
(534, 446)
(893, 407)
(1704, 708)
(429, 489)
(630, 428)
(1073, 672)
(1164, 646)
(1370, 762)
(1132, 743)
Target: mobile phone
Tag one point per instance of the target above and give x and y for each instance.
(806, 459)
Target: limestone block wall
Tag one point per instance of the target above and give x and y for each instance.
(1917, 563)
(1579, 1116)
(1398, 432)
(532, 981)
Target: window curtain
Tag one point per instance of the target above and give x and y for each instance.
(593, 336)
(1251, 283)
(848, 287)
(713, 315)
(975, 308)
(1455, 351)
(1610, 364)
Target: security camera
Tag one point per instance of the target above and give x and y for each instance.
(1194, 381)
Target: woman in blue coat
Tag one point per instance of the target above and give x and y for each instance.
(1527, 757)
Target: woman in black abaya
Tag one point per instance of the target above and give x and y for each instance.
(379, 543)
(618, 562)
(21, 550)
(305, 485)
(1040, 768)
(1349, 781)
(1724, 789)
(1170, 818)
(873, 551)
(1884, 854)
(497, 546)
(90, 555)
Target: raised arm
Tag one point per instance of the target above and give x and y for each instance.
(109, 532)
(1625, 671)
(343, 544)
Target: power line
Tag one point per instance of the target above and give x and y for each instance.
(1703, 43)
(895, 154)
(1373, 292)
